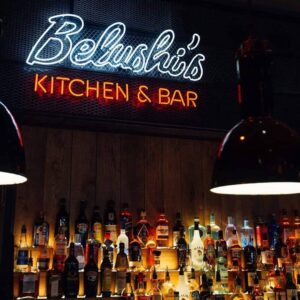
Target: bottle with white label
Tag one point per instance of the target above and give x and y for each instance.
(162, 231)
(197, 248)
(182, 287)
(123, 238)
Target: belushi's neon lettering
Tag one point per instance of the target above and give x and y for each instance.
(61, 43)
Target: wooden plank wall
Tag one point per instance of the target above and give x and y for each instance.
(153, 172)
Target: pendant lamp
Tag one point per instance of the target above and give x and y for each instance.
(12, 158)
(260, 155)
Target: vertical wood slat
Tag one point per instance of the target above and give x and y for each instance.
(30, 194)
(83, 174)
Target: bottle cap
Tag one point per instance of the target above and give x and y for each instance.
(246, 223)
(230, 220)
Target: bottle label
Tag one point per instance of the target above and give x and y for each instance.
(41, 235)
(106, 280)
(196, 255)
(113, 232)
(297, 233)
(267, 257)
(291, 294)
(111, 216)
(59, 262)
(28, 283)
(91, 276)
(72, 277)
(210, 253)
(143, 234)
(22, 258)
(120, 281)
(60, 248)
(222, 251)
(175, 238)
(162, 232)
(82, 228)
(250, 278)
(135, 253)
(97, 227)
(54, 285)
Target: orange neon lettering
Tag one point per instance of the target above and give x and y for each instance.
(163, 93)
(89, 88)
(38, 83)
(107, 90)
(142, 97)
(124, 93)
(52, 85)
(179, 99)
(191, 96)
(71, 89)
(62, 85)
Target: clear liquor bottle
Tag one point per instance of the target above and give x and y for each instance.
(246, 232)
(197, 248)
(79, 252)
(230, 227)
(121, 267)
(213, 226)
(123, 238)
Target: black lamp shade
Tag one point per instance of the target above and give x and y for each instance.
(259, 155)
(12, 158)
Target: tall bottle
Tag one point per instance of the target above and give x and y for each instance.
(41, 231)
(123, 238)
(109, 246)
(82, 224)
(214, 227)
(182, 287)
(110, 221)
(96, 246)
(247, 232)
(177, 228)
(221, 258)
(234, 252)
(143, 228)
(168, 287)
(106, 275)
(62, 220)
(202, 230)
(162, 231)
(154, 293)
(128, 291)
(22, 252)
(135, 253)
(126, 220)
(97, 224)
(60, 250)
(121, 267)
(91, 275)
(197, 248)
(182, 249)
(140, 292)
(286, 228)
(71, 275)
(262, 234)
(250, 264)
(230, 227)
(274, 229)
(209, 247)
(79, 251)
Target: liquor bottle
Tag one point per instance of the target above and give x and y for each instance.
(250, 264)
(182, 287)
(123, 238)
(238, 292)
(96, 246)
(151, 246)
(154, 293)
(110, 221)
(29, 282)
(54, 285)
(22, 252)
(234, 252)
(202, 230)
(143, 227)
(109, 246)
(121, 267)
(280, 250)
(126, 221)
(79, 251)
(62, 220)
(230, 227)
(192, 282)
(81, 223)
(296, 224)
(219, 290)
(140, 292)
(71, 274)
(135, 254)
(246, 232)
(205, 291)
(60, 250)
(43, 258)
(162, 231)
(221, 258)
(40, 231)
(273, 231)
(262, 234)
(128, 290)
(168, 287)
(97, 224)
(257, 292)
(182, 249)
(291, 289)
(286, 228)
(209, 247)
(207, 269)
(214, 228)
(197, 248)
(177, 228)
(106, 274)
(91, 275)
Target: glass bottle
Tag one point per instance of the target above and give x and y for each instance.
(218, 289)
(291, 289)
(280, 251)
(205, 291)
(234, 252)
(22, 252)
(143, 228)
(221, 258)
(209, 247)
(286, 228)
(238, 292)
(128, 290)
(71, 274)
(250, 264)
(257, 292)
(91, 275)
(106, 274)
(123, 238)
(121, 267)
(230, 227)
(135, 254)
(296, 224)
(150, 246)
(96, 246)
(60, 250)
(182, 287)
(182, 249)
(79, 252)
(62, 220)
(168, 287)
(273, 231)
(262, 234)
(197, 248)
(192, 283)
(202, 230)
(54, 285)
(110, 221)
(43, 258)
(214, 228)
(126, 221)
(154, 293)
(109, 246)
(81, 223)
(41, 231)
(97, 224)
(140, 292)
(177, 228)
(246, 232)
(162, 231)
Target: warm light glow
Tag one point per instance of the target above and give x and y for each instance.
(11, 178)
(262, 188)
(242, 137)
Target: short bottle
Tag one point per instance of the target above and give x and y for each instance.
(121, 267)
(177, 229)
(22, 252)
(106, 274)
(71, 274)
(197, 248)
(162, 231)
(182, 287)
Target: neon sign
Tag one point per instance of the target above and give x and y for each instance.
(62, 43)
